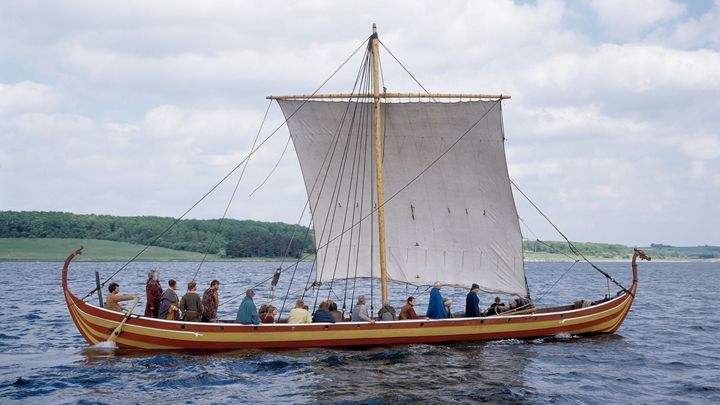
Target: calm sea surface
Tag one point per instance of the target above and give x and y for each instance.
(666, 351)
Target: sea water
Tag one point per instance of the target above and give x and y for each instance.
(666, 351)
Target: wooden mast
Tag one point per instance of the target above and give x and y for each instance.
(378, 162)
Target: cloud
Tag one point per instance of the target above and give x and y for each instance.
(139, 108)
(629, 68)
(623, 18)
(695, 32)
(702, 147)
(26, 96)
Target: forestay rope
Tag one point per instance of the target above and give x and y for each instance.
(232, 196)
(572, 247)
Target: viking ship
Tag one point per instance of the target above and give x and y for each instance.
(402, 187)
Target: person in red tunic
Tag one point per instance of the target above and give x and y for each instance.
(269, 315)
(154, 294)
(408, 311)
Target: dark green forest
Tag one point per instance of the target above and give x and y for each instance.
(234, 238)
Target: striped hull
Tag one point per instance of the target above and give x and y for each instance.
(96, 325)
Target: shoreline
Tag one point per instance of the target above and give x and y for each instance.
(51, 250)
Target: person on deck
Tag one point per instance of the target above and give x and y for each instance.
(299, 314)
(154, 294)
(472, 302)
(496, 307)
(262, 311)
(269, 315)
(114, 298)
(247, 313)
(360, 312)
(408, 310)
(210, 302)
(169, 302)
(448, 308)
(522, 303)
(323, 314)
(387, 312)
(436, 307)
(191, 304)
(334, 312)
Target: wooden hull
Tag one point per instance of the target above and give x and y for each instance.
(96, 324)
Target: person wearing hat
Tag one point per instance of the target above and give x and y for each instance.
(472, 302)
(247, 313)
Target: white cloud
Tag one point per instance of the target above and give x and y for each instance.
(702, 147)
(138, 108)
(701, 32)
(623, 18)
(26, 96)
(628, 68)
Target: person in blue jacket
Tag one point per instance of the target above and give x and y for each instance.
(472, 302)
(436, 307)
(323, 313)
(247, 313)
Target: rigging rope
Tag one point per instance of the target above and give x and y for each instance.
(334, 198)
(232, 196)
(556, 281)
(573, 248)
(330, 153)
(363, 119)
(364, 151)
(537, 239)
(274, 167)
(406, 70)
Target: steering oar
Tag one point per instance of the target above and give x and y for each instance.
(118, 330)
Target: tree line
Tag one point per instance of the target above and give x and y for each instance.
(616, 251)
(234, 238)
(602, 250)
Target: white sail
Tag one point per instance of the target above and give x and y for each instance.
(457, 223)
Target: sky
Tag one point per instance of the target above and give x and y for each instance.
(139, 108)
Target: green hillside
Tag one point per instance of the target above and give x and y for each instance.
(559, 250)
(56, 250)
(231, 238)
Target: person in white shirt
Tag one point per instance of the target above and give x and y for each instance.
(299, 314)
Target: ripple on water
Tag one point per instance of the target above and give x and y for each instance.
(202, 379)
(387, 356)
(8, 337)
(333, 360)
(277, 366)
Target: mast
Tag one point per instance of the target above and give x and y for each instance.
(378, 162)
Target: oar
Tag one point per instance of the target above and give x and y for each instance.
(117, 330)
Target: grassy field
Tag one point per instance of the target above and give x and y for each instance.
(56, 250)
